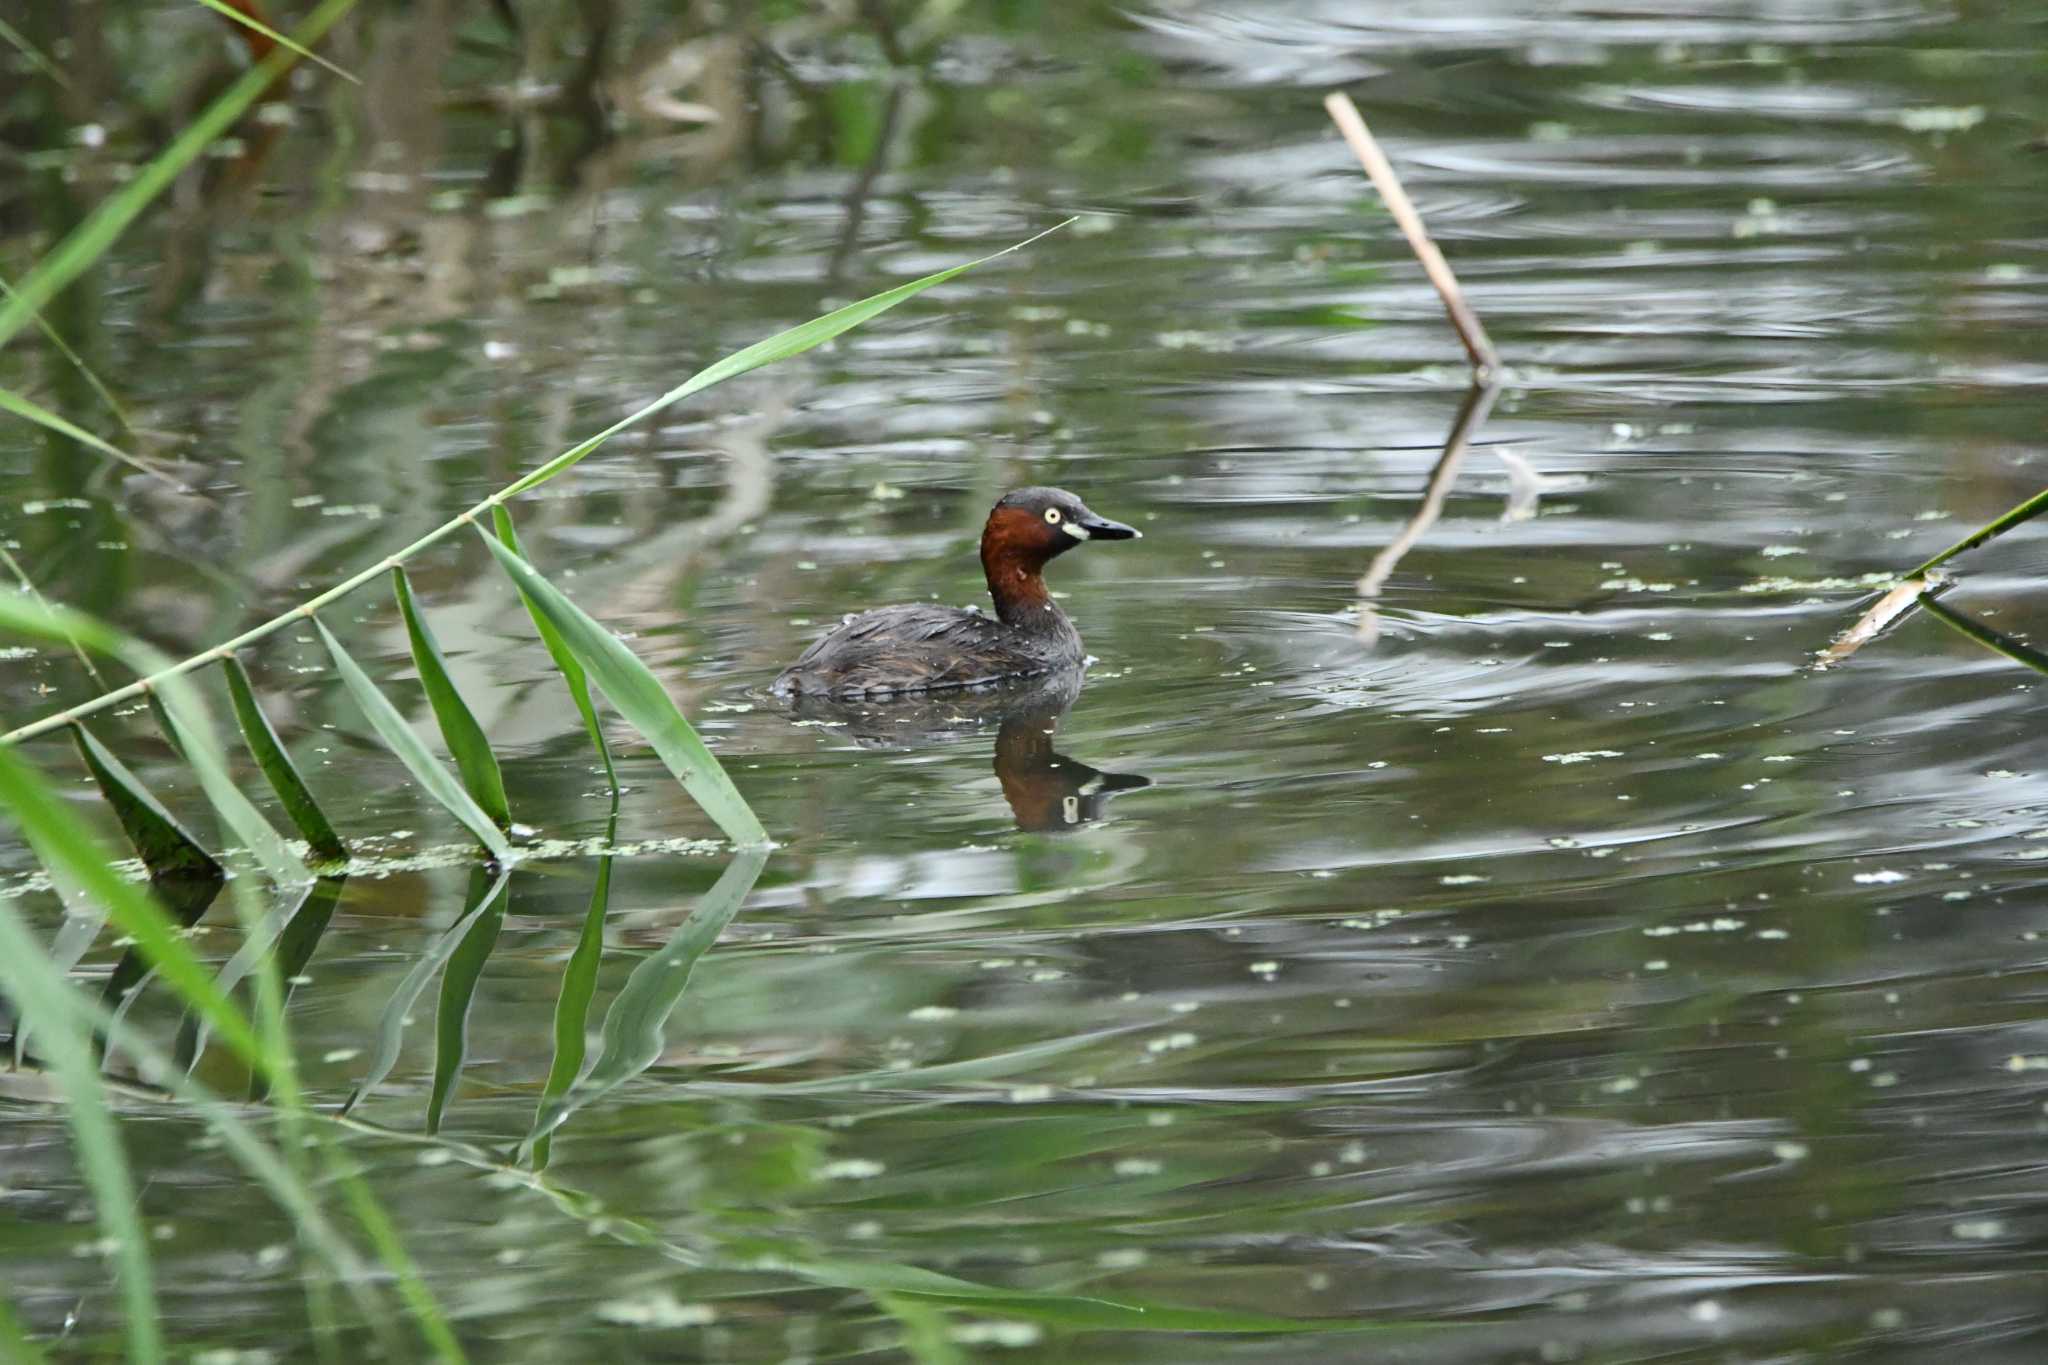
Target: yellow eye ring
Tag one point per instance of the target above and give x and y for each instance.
(1052, 515)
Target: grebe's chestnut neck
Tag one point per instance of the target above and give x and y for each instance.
(1026, 530)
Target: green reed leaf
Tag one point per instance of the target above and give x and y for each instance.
(189, 726)
(276, 763)
(464, 737)
(161, 842)
(70, 851)
(635, 1025)
(251, 956)
(572, 1004)
(13, 37)
(255, 25)
(398, 736)
(15, 1343)
(45, 995)
(638, 695)
(50, 421)
(1067, 1310)
(1984, 635)
(784, 344)
(1991, 530)
(458, 990)
(565, 662)
(391, 1024)
(77, 361)
(256, 1156)
(91, 239)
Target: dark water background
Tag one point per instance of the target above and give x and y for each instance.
(1575, 968)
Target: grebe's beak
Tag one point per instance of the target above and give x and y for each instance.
(1091, 527)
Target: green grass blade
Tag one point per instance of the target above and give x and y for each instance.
(2026, 511)
(276, 763)
(13, 402)
(190, 728)
(164, 846)
(255, 25)
(1984, 635)
(42, 993)
(14, 38)
(784, 344)
(451, 1015)
(565, 662)
(398, 736)
(15, 1343)
(637, 694)
(635, 1025)
(391, 1024)
(1067, 1310)
(299, 941)
(90, 240)
(61, 840)
(256, 1156)
(254, 951)
(464, 737)
(77, 361)
(572, 1005)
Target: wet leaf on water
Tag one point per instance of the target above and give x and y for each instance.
(459, 729)
(276, 763)
(635, 1026)
(164, 846)
(638, 695)
(391, 1023)
(572, 1005)
(458, 989)
(398, 736)
(558, 650)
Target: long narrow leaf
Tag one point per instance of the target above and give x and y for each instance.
(61, 840)
(192, 1033)
(400, 739)
(784, 344)
(398, 1010)
(637, 694)
(276, 763)
(451, 1015)
(164, 846)
(258, 1157)
(464, 737)
(190, 728)
(77, 361)
(90, 240)
(565, 662)
(572, 1005)
(635, 1025)
(15, 1343)
(43, 995)
(13, 402)
(255, 25)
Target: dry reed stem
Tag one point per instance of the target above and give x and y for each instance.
(1477, 344)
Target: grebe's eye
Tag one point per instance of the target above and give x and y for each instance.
(1052, 516)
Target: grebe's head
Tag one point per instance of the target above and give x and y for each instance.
(1031, 525)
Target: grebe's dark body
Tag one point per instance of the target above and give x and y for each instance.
(892, 651)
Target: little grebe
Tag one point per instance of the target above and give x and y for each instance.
(893, 650)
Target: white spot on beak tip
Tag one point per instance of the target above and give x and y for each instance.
(1075, 529)
(1136, 534)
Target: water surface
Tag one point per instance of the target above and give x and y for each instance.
(1574, 973)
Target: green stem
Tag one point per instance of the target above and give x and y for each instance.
(2026, 511)
(1986, 636)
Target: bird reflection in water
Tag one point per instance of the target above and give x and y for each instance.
(1047, 790)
